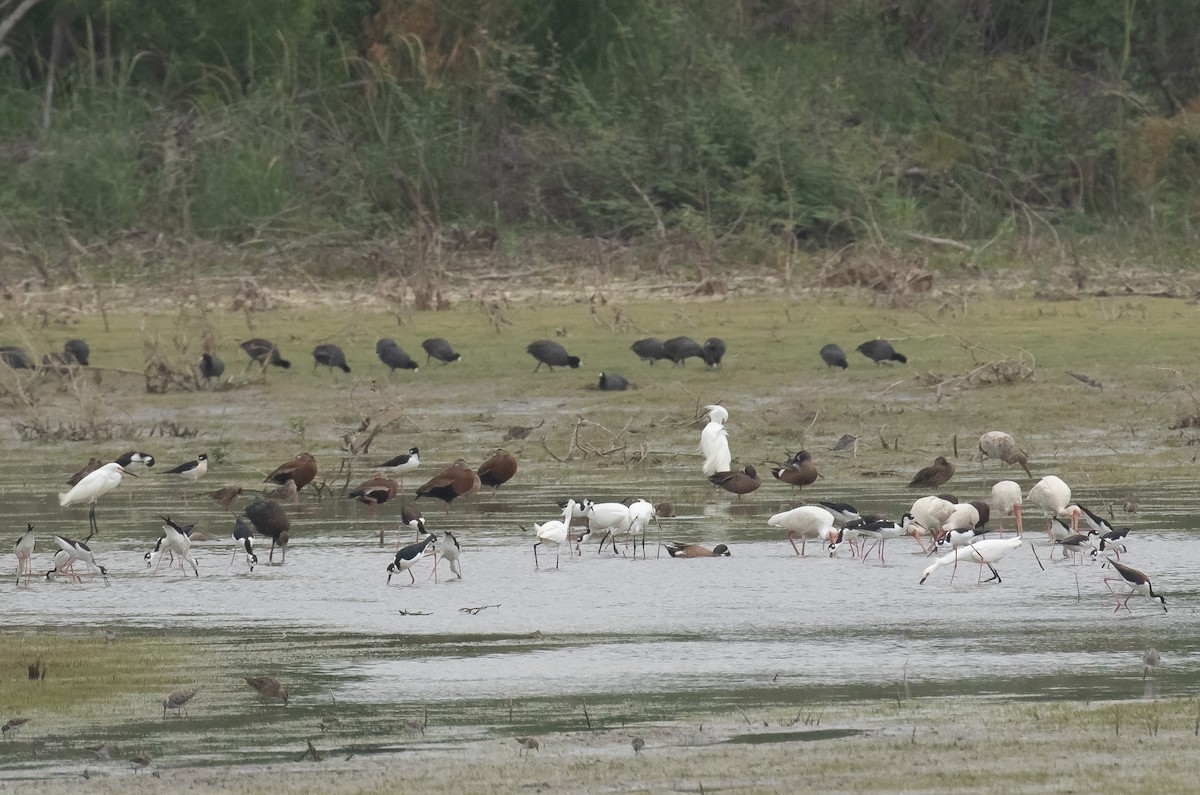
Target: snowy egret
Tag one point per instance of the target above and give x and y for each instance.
(714, 442)
(93, 487)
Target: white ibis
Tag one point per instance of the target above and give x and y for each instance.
(714, 442)
(409, 556)
(93, 487)
(805, 522)
(998, 444)
(928, 514)
(553, 532)
(963, 516)
(1006, 499)
(1053, 495)
(24, 551)
(1137, 582)
(985, 552)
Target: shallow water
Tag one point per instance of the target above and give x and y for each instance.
(760, 627)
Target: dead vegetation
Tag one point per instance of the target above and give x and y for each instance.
(884, 272)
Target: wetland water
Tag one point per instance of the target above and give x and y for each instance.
(670, 636)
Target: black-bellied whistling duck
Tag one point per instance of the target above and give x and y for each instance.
(301, 470)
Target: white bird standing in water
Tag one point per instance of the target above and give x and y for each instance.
(1006, 499)
(714, 442)
(1053, 495)
(24, 551)
(985, 553)
(92, 488)
(553, 532)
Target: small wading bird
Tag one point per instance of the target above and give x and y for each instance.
(13, 725)
(301, 470)
(405, 462)
(270, 520)
(24, 552)
(64, 564)
(191, 470)
(394, 356)
(79, 550)
(985, 553)
(696, 551)
(1138, 584)
(243, 534)
(268, 688)
(179, 544)
(440, 349)
(553, 532)
(331, 356)
(409, 556)
(998, 444)
(92, 487)
(552, 355)
(714, 442)
(451, 552)
(178, 701)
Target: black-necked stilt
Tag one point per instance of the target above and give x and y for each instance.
(579, 536)
(1074, 544)
(451, 552)
(713, 351)
(451, 483)
(270, 520)
(649, 349)
(331, 356)
(301, 470)
(24, 552)
(833, 356)
(405, 462)
(963, 516)
(1059, 530)
(93, 487)
(178, 701)
(998, 444)
(1098, 523)
(79, 550)
(410, 516)
(211, 366)
(680, 349)
(153, 556)
(374, 491)
(985, 553)
(244, 534)
(1053, 495)
(842, 510)
(1137, 582)
(805, 522)
(180, 544)
(391, 354)
(696, 551)
(551, 354)
(738, 483)
(934, 475)
(881, 532)
(714, 442)
(127, 460)
(612, 382)
(64, 563)
(264, 352)
(880, 351)
(1112, 540)
(553, 532)
(1006, 498)
(497, 470)
(268, 688)
(191, 470)
(440, 349)
(409, 556)
(77, 351)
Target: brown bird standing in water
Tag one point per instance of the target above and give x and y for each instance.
(376, 490)
(738, 483)
(998, 444)
(270, 521)
(801, 470)
(528, 744)
(933, 475)
(178, 701)
(451, 483)
(498, 470)
(226, 496)
(300, 470)
(696, 551)
(268, 687)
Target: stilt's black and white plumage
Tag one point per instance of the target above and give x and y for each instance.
(1114, 541)
(64, 564)
(842, 510)
(93, 487)
(79, 550)
(127, 460)
(1137, 582)
(881, 532)
(191, 470)
(180, 544)
(405, 462)
(1096, 522)
(243, 534)
(24, 552)
(409, 556)
(452, 552)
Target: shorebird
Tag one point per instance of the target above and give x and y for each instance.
(410, 516)
(270, 520)
(440, 349)
(180, 544)
(1137, 582)
(405, 462)
(79, 550)
(738, 483)
(1053, 496)
(64, 563)
(264, 352)
(696, 551)
(842, 510)
(243, 534)
(805, 522)
(610, 517)
(93, 487)
(13, 725)
(409, 556)
(331, 356)
(554, 532)
(883, 530)
(528, 744)
(451, 483)
(497, 470)
(191, 470)
(1073, 544)
(1006, 498)
(833, 356)
(984, 552)
(394, 356)
(1151, 660)
(268, 688)
(998, 444)
(374, 491)
(1098, 523)
(714, 442)
(934, 475)
(880, 351)
(178, 701)
(1112, 540)
(24, 551)
(452, 552)
(552, 355)
(301, 470)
